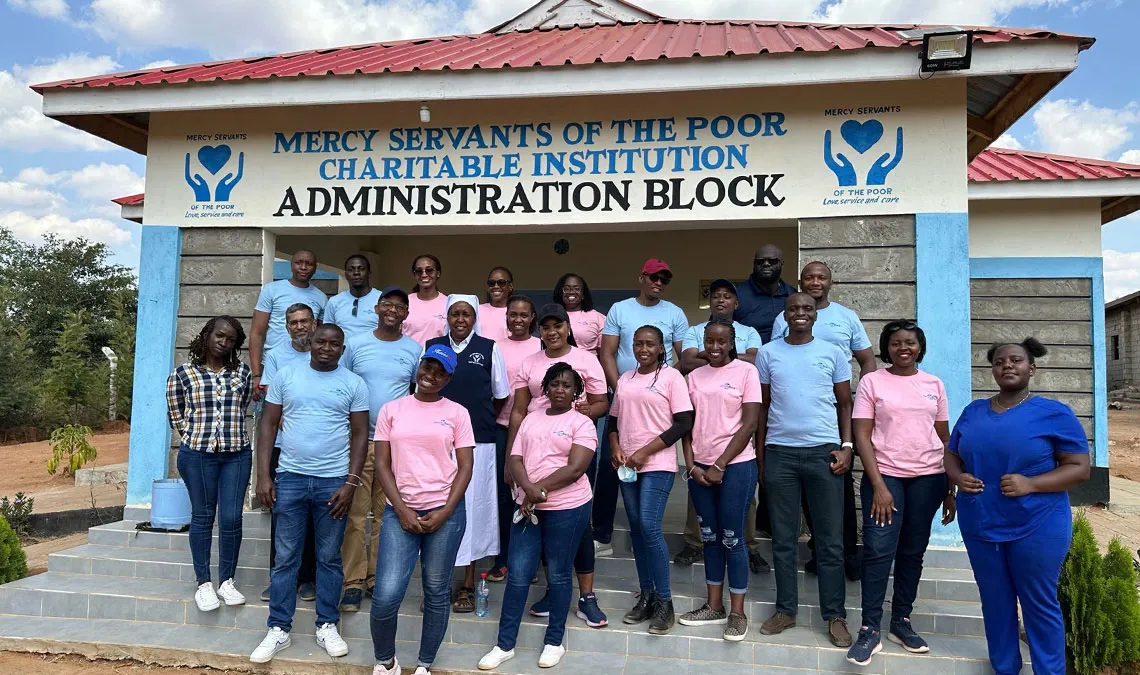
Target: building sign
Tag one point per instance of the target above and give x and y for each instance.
(752, 156)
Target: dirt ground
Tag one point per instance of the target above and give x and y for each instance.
(25, 470)
(12, 663)
(1124, 443)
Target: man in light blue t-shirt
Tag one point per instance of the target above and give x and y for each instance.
(386, 359)
(804, 447)
(324, 438)
(723, 302)
(616, 355)
(268, 328)
(354, 309)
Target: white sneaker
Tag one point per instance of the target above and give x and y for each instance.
(551, 656)
(495, 658)
(379, 669)
(275, 640)
(206, 598)
(330, 639)
(422, 671)
(230, 595)
(603, 550)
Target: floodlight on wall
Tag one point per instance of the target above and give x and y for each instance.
(425, 113)
(947, 51)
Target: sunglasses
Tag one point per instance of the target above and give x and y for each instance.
(424, 270)
(660, 279)
(767, 261)
(909, 325)
(355, 306)
(497, 283)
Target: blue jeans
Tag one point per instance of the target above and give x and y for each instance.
(721, 512)
(605, 483)
(558, 534)
(903, 542)
(1023, 571)
(300, 498)
(645, 507)
(217, 482)
(395, 561)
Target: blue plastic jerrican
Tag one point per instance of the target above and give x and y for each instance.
(169, 504)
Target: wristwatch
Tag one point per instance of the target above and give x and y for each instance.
(847, 445)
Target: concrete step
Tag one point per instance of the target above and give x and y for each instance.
(111, 474)
(135, 606)
(615, 592)
(945, 583)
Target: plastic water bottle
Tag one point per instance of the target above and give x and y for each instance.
(482, 595)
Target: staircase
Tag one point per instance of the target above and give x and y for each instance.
(129, 594)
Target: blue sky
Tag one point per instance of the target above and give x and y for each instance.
(53, 179)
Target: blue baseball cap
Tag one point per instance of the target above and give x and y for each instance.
(444, 354)
(394, 290)
(722, 283)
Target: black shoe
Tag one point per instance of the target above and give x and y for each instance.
(663, 617)
(351, 600)
(642, 611)
(809, 567)
(689, 555)
(307, 591)
(851, 568)
(757, 563)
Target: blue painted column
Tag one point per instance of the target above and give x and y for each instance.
(942, 267)
(159, 268)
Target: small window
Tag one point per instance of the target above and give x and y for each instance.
(1115, 347)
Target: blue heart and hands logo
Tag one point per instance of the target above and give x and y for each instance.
(213, 159)
(861, 137)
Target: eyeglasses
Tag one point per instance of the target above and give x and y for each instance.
(500, 283)
(355, 306)
(424, 270)
(385, 305)
(660, 279)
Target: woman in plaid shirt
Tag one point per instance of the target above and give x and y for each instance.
(207, 400)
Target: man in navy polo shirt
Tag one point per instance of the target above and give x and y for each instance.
(762, 295)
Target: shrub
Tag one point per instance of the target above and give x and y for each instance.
(13, 562)
(16, 512)
(1099, 603)
(70, 443)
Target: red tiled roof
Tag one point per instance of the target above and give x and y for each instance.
(131, 200)
(665, 39)
(999, 165)
(986, 168)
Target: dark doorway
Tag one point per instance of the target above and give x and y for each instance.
(604, 298)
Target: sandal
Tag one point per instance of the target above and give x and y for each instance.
(464, 601)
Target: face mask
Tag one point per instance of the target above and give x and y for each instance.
(626, 474)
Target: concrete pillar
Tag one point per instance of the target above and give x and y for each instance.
(154, 352)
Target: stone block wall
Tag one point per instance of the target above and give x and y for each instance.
(1124, 324)
(872, 263)
(1058, 312)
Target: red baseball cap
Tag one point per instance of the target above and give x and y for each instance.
(656, 266)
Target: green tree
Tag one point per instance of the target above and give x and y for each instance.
(20, 372)
(1123, 604)
(1089, 633)
(122, 332)
(73, 387)
(54, 279)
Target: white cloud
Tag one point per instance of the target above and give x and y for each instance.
(26, 226)
(1121, 274)
(1008, 141)
(161, 63)
(1131, 157)
(1079, 128)
(17, 195)
(93, 186)
(55, 9)
(23, 126)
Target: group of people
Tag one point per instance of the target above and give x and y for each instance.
(493, 428)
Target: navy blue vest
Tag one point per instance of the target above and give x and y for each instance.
(470, 386)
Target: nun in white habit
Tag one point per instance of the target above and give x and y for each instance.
(480, 385)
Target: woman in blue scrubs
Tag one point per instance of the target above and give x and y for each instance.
(1013, 458)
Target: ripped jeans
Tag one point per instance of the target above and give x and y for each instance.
(721, 512)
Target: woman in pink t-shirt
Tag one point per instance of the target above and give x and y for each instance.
(651, 412)
(493, 313)
(572, 292)
(424, 458)
(721, 461)
(552, 450)
(519, 344)
(901, 427)
(427, 305)
(559, 346)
